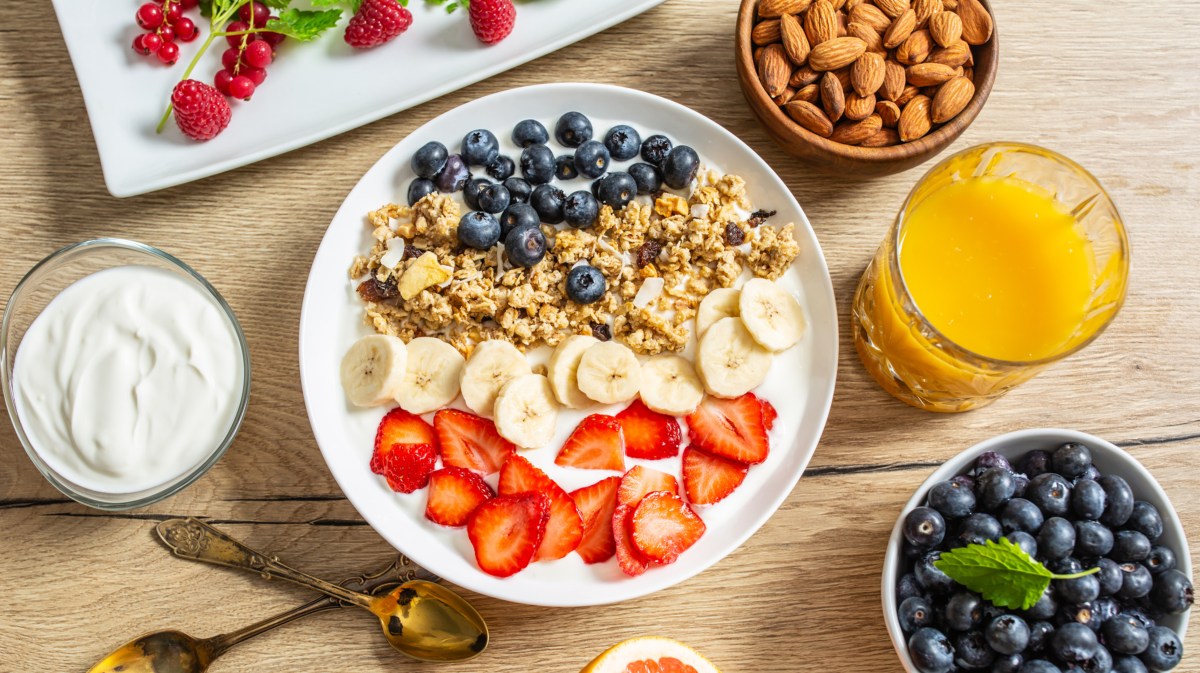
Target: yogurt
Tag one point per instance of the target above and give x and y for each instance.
(128, 379)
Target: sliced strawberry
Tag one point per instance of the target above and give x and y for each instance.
(596, 504)
(769, 414)
(565, 529)
(663, 527)
(400, 427)
(455, 492)
(407, 466)
(470, 441)
(506, 532)
(708, 479)
(732, 429)
(648, 434)
(628, 557)
(596, 444)
(639, 481)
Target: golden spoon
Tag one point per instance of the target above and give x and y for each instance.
(420, 619)
(177, 652)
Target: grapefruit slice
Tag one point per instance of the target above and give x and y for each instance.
(650, 654)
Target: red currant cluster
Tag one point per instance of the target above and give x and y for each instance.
(164, 23)
(250, 51)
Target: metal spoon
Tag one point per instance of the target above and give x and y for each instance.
(177, 652)
(420, 619)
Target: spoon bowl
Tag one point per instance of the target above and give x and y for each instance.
(429, 622)
(158, 652)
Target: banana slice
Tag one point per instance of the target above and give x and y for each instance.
(491, 365)
(372, 369)
(562, 367)
(670, 385)
(609, 373)
(526, 411)
(772, 315)
(431, 379)
(731, 363)
(720, 303)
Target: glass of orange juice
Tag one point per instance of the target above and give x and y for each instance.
(1004, 259)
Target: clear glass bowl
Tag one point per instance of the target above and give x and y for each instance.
(41, 285)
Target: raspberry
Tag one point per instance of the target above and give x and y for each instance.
(377, 22)
(492, 20)
(200, 110)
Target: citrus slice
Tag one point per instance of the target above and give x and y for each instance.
(650, 654)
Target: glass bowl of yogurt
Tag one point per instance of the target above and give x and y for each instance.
(125, 374)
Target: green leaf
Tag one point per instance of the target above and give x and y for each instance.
(304, 25)
(279, 4)
(1001, 571)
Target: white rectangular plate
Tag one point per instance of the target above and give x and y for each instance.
(312, 91)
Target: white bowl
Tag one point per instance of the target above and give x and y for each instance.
(1105, 455)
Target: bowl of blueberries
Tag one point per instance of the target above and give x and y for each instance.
(1090, 523)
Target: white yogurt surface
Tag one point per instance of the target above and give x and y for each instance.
(128, 379)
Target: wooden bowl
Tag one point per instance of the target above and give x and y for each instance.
(849, 159)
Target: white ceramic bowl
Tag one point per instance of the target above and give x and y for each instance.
(1105, 455)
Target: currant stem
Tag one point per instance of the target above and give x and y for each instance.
(212, 35)
(1075, 576)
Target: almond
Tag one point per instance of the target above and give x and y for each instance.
(803, 77)
(888, 111)
(950, 5)
(951, 98)
(851, 4)
(784, 97)
(833, 99)
(837, 4)
(853, 133)
(872, 16)
(894, 79)
(945, 28)
(774, 69)
(836, 53)
(771, 9)
(915, 49)
(867, 73)
(929, 74)
(954, 54)
(909, 93)
(884, 137)
(976, 22)
(842, 22)
(843, 75)
(926, 9)
(859, 107)
(765, 32)
(914, 119)
(757, 54)
(809, 94)
(794, 41)
(820, 23)
(810, 117)
(892, 8)
(867, 34)
(969, 73)
(902, 26)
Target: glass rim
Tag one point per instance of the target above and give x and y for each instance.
(907, 297)
(169, 488)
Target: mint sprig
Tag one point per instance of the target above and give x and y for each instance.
(1001, 572)
(304, 25)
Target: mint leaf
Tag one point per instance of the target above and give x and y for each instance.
(279, 4)
(304, 25)
(1001, 571)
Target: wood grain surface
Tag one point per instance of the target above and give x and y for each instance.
(1116, 86)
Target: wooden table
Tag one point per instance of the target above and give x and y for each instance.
(1114, 86)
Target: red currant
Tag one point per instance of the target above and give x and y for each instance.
(149, 16)
(188, 4)
(185, 29)
(139, 44)
(258, 54)
(168, 53)
(229, 58)
(235, 27)
(254, 13)
(256, 75)
(241, 87)
(222, 80)
(166, 32)
(172, 11)
(271, 38)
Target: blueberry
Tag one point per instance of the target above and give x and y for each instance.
(537, 164)
(1120, 500)
(1092, 538)
(994, 487)
(419, 189)
(592, 159)
(479, 147)
(529, 132)
(1160, 560)
(646, 176)
(1092, 473)
(655, 149)
(501, 168)
(963, 611)
(573, 129)
(525, 246)
(585, 284)
(1020, 484)
(1056, 540)
(518, 215)
(1050, 492)
(580, 209)
(1101, 662)
(1110, 576)
(971, 650)
(428, 161)
(1141, 616)
(519, 189)
(931, 651)
(478, 230)
(1130, 546)
(453, 176)
(932, 580)
(493, 198)
(1164, 650)
(1010, 663)
(547, 200)
(989, 459)
(1136, 581)
(1040, 635)
(1039, 666)
(952, 499)
(1025, 541)
(1079, 590)
(472, 189)
(622, 142)
(1008, 634)
(965, 480)
(915, 613)
(1088, 499)
(1065, 566)
(1172, 592)
(924, 527)
(978, 528)
(907, 587)
(1146, 520)
(1071, 459)
(1128, 664)
(1021, 515)
(1124, 635)
(616, 189)
(1073, 642)
(564, 167)
(680, 167)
